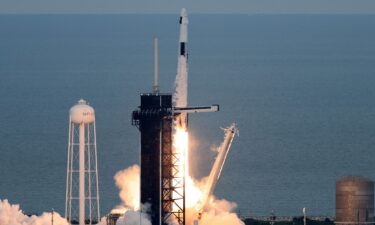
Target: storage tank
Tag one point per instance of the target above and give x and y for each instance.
(354, 200)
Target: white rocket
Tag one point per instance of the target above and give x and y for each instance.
(223, 150)
(180, 97)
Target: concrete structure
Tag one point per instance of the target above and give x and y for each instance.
(82, 186)
(354, 200)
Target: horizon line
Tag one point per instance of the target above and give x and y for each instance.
(193, 13)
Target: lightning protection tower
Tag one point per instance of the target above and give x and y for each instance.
(82, 186)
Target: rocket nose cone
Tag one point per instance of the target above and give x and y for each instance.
(183, 12)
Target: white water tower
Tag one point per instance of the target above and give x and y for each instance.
(82, 186)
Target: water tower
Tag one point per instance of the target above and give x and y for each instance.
(82, 187)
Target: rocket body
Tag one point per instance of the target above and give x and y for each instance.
(183, 32)
(180, 97)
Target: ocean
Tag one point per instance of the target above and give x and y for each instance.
(300, 88)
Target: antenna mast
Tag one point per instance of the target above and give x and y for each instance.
(156, 67)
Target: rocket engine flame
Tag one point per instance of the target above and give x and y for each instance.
(181, 145)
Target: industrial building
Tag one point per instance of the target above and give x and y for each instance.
(354, 201)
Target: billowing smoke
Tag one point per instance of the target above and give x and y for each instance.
(13, 215)
(128, 182)
(224, 218)
(216, 212)
(220, 212)
(134, 218)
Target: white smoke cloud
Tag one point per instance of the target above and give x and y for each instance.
(128, 181)
(12, 215)
(134, 218)
(221, 218)
(216, 212)
(130, 217)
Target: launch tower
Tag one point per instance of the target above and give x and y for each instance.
(154, 121)
(162, 181)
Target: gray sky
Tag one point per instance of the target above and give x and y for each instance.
(193, 6)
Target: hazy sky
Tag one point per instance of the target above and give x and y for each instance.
(193, 6)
